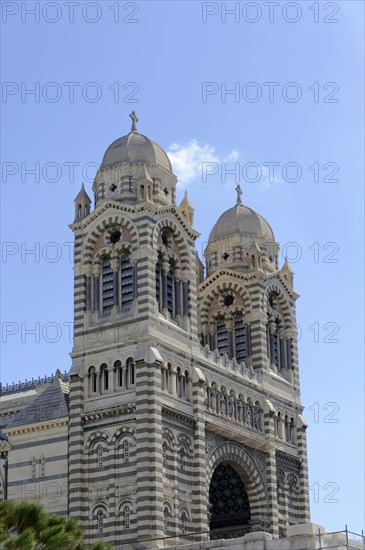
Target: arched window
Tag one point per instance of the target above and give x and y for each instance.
(171, 289)
(100, 453)
(183, 522)
(42, 466)
(104, 376)
(292, 498)
(130, 374)
(222, 336)
(278, 425)
(241, 339)
(127, 517)
(186, 387)
(167, 238)
(93, 379)
(182, 458)
(291, 434)
(286, 428)
(165, 518)
(33, 465)
(164, 452)
(100, 521)
(127, 282)
(119, 373)
(126, 451)
(107, 286)
(179, 382)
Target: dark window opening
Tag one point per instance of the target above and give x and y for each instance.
(107, 287)
(127, 279)
(229, 504)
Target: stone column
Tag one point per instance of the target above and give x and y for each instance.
(272, 329)
(77, 505)
(165, 269)
(292, 356)
(304, 506)
(248, 340)
(199, 512)
(96, 289)
(205, 338)
(173, 380)
(212, 336)
(282, 349)
(185, 287)
(87, 292)
(271, 480)
(229, 327)
(114, 264)
(257, 321)
(149, 475)
(177, 295)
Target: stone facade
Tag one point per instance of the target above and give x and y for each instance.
(184, 420)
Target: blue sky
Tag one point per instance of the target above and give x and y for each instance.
(296, 70)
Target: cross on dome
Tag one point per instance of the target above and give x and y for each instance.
(239, 194)
(134, 118)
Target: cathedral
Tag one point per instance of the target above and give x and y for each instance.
(180, 420)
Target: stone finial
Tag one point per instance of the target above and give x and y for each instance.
(82, 204)
(239, 194)
(187, 209)
(134, 118)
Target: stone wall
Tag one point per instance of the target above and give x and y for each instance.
(306, 536)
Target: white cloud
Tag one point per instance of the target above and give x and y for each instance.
(269, 177)
(188, 159)
(193, 161)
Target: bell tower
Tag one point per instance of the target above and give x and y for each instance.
(247, 319)
(185, 414)
(135, 324)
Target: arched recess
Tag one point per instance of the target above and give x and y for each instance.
(276, 288)
(179, 239)
(95, 438)
(236, 457)
(95, 233)
(229, 506)
(211, 295)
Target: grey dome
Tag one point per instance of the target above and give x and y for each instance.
(241, 220)
(136, 148)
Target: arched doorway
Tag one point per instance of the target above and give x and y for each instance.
(229, 505)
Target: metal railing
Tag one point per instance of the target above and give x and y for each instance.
(17, 387)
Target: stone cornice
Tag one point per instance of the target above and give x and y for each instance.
(178, 415)
(281, 455)
(133, 209)
(277, 275)
(107, 203)
(39, 427)
(254, 276)
(101, 414)
(172, 209)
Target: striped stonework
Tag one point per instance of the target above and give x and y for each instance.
(77, 504)
(199, 488)
(271, 481)
(249, 472)
(177, 381)
(303, 508)
(149, 501)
